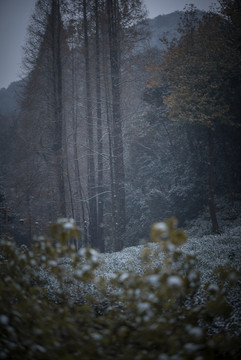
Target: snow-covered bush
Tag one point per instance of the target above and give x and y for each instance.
(59, 304)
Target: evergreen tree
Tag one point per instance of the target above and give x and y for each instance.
(41, 118)
(197, 69)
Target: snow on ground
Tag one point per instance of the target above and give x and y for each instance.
(214, 250)
(210, 250)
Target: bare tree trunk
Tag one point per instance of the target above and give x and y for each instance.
(119, 173)
(210, 170)
(80, 207)
(228, 173)
(29, 223)
(90, 159)
(110, 147)
(67, 163)
(69, 185)
(100, 198)
(112, 185)
(58, 106)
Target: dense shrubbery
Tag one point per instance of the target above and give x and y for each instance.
(56, 304)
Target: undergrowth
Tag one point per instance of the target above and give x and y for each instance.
(56, 303)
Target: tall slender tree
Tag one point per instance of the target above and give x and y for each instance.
(100, 195)
(43, 96)
(122, 17)
(114, 29)
(56, 45)
(90, 128)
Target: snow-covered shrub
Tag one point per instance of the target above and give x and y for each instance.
(59, 304)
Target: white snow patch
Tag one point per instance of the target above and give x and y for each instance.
(69, 226)
(154, 280)
(195, 331)
(124, 276)
(143, 306)
(174, 281)
(160, 226)
(4, 319)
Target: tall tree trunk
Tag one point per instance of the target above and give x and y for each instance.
(100, 198)
(228, 172)
(72, 210)
(110, 147)
(90, 159)
(67, 164)
(80, 206)
(58, 106)
(119, 173)
(210, 170)
(112, 185)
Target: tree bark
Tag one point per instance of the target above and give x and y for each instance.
(80, 206)
(100, 198)
(90, 159)
(119, 173)
(112, 187)
(58, 106)
(210, 170)
(228, 173)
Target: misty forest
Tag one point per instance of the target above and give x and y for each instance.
(122, 132)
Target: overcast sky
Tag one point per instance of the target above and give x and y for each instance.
(157, 7)
(14, 15)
